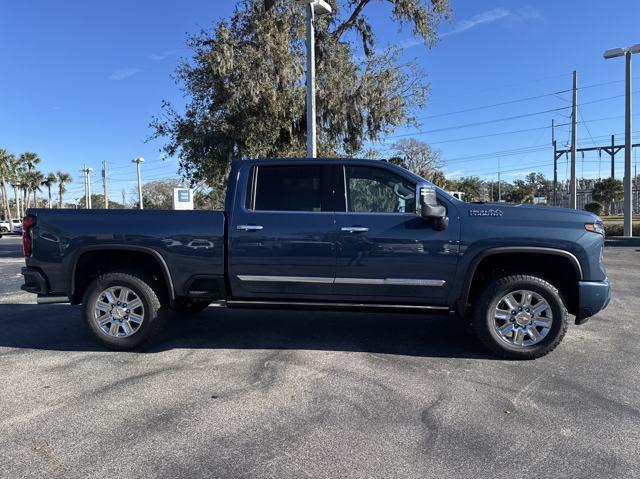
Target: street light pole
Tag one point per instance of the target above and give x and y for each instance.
(628, 140)
(314, 8)
(137, 161)
(311, 84)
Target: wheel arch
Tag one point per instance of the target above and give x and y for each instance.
(152, 258)
(531, 252)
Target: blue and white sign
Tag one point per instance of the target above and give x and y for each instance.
(182, 199)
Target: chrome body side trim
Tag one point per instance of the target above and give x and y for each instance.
(392, 281)
(285, 279)
(52, 299)
(372, 281)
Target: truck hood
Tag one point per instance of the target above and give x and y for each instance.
(526, 212)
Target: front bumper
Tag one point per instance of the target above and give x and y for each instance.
(593, 297)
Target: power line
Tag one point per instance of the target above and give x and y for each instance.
(509, 102)
(479, 123)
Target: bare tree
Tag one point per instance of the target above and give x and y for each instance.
(417, 156)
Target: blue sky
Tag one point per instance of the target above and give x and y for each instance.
(82, 80)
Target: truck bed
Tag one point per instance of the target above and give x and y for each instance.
(190, 243)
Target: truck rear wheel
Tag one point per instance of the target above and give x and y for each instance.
(122, 310)
(520, 317)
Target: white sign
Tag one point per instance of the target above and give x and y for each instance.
(182, 199)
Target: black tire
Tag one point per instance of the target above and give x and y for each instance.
(483, 316)
(184, 306)
(154, 311)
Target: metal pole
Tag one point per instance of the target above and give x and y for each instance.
(139, 186)
(499, 185)
(555, 164)
(86, 195)
(574, 118)
(89, 170)
(104, 184)
(311, 85)
(628, 141)
(613, 156)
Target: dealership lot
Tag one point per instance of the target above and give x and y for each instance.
(300, 394)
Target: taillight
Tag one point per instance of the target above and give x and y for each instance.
(28, 222)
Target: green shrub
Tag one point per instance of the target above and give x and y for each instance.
(618, 229)
(595, 208)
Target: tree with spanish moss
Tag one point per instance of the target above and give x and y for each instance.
(245, 84)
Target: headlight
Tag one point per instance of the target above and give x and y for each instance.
(595, 228)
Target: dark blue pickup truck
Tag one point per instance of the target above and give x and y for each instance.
(333, 233)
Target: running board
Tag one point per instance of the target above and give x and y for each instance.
(415, 308)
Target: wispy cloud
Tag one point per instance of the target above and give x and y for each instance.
(454, 174)
(156, 57)
(483, 18)
(526, 14)
(123, 73)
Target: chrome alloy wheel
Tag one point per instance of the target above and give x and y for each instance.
(521, 318)
(119, 312)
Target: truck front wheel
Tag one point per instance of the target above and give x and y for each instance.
(520, 317)
(122, 310)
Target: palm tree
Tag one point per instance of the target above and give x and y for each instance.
(63, 179)
(27, 161)
(33, 180)
(7, 161)
(18, 183)
(48, 182)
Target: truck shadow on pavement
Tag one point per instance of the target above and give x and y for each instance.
(59, 328)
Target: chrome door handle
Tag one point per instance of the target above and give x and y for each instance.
(249, 227)
(354, 229)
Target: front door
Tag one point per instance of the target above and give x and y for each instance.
(282, 239)
(386, 252)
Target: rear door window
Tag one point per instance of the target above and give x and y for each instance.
(288, 188)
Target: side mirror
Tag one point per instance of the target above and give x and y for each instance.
(429, 208)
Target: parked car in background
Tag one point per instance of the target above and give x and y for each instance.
(14, 227)
(325, 234)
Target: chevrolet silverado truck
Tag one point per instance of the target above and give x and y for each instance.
(325, 234)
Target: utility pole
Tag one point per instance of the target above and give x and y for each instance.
(574, 139)
(555, 164)
(87, 186)
(499, 183)
(124, 198)
(104, 184)
(613, 157)
(137, 161)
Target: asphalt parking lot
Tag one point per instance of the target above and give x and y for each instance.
(299, 394)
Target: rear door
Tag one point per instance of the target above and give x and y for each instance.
(283, 235)
(386, 252)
